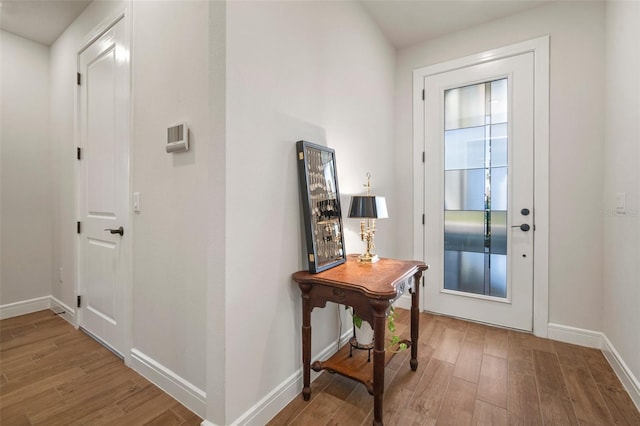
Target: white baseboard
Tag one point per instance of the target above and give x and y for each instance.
(184, 392)
(404, 302)
(598, 340)
(629, 381)
(265, 409)
(69, 314)
(207, 423)
(575, 336)
(24, 307)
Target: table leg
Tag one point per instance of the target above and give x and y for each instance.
(415, 320)
(379, 324)
(306, 341)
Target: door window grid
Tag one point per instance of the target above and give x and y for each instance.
(475, 188)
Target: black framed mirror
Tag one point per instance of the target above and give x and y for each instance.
(321, 206)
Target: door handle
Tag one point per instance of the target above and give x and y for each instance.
(525, 227)
(116, 231)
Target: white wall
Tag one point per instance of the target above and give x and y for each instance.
(170, 84)
(26, 219)
(576, 32)
(170, 79)
(319, 71)
(211, 278)
(64, 65)
(216, 194)
(621, 290)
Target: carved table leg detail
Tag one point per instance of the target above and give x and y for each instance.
(415, 320)
(306, 341)
(380, 308)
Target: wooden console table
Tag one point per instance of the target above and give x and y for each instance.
(370, 288)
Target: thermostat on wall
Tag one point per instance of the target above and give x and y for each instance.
(178, 138)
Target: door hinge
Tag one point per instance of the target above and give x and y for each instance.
(79, 78)
(78, 301)
(422, 93)
(79, 153)
(423, 156)
(79, 227)
(423, 218)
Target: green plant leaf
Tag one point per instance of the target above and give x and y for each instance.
(357, 321)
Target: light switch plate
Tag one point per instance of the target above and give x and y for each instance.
(136, 202)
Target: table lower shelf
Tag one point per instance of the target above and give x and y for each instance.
(355, 367)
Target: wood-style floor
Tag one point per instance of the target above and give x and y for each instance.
(475, 374)
(52, 374)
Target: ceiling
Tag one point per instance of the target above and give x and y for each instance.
(42, 21)
(404, 22)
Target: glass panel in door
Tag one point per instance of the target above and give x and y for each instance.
(475, 189)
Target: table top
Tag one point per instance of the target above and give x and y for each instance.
(376, 280)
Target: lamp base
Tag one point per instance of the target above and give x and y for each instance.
(368, 258)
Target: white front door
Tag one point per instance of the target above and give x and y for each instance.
(479, 212)
(103, 188)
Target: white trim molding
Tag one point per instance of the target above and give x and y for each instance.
(183, 391)
(575, 336)
(272, 403)
(65, 311)
(629, 381)
(599, 340)
(403, 302)
(29, 306)
(24, 307)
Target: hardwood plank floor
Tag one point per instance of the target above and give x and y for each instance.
(52, 374)
(475, 374)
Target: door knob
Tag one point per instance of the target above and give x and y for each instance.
(525, 227)
(116, 231)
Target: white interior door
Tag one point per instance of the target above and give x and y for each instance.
(479, 213)
(104, 187)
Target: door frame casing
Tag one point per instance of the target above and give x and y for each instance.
(540, 49)
(123, 14)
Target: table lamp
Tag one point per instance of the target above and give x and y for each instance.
(368, 208)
